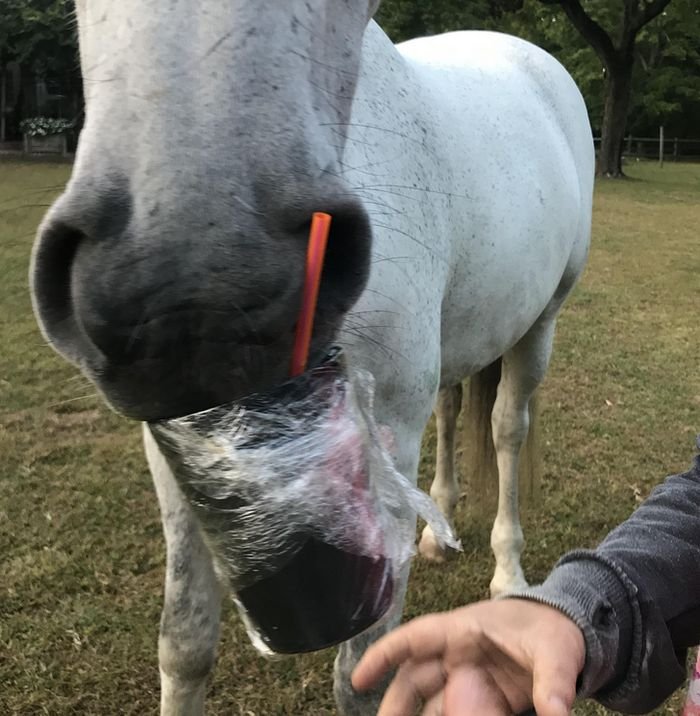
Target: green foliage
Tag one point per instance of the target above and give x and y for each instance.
(667, 79)
(404, 19)
(666, 86)
(667, 70)
(38, 33)
(44, 126)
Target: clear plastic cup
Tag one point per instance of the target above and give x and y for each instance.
(305, 546)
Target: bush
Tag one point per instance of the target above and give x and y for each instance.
(43, 126)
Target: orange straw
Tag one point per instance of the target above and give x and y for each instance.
(318, 240)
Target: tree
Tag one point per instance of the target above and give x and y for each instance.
(40, 36)
(616, 50)
(664, 84)
(667, 73)
(404, 19)
(9, 27)
(33, 31)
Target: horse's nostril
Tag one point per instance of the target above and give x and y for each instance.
(346, 267)
(52, 261)
(87, 214)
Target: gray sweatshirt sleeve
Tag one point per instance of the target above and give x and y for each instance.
(636, 598)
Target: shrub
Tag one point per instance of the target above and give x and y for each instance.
(43, 126)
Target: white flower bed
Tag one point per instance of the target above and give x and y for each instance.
(43, 126)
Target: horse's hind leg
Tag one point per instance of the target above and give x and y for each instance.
(523, 368)
(189, 628)
(444, 490)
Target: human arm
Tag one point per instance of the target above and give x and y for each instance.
(636, 600)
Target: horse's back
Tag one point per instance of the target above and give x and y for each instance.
(493, 72)
(496, 187)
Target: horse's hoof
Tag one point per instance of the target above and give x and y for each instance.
(429, 548)
(503, 583)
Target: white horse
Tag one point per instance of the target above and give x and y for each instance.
(459, 172)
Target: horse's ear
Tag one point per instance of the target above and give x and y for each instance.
(373, 7)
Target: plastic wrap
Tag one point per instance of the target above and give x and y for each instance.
(692, 703)
(296, 486)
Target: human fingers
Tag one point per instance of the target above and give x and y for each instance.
(420, 640)
(554, 677)
(473, 692)
(414, 683)
(433, 707)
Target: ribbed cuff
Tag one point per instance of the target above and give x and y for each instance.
(600, 599)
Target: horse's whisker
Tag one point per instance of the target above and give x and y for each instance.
(78, 398)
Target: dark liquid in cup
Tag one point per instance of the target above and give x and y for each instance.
(321, 597)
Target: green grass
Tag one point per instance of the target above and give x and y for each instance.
(81, 552)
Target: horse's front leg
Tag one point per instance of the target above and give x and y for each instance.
(523, 369)
(351, 703)
(445, 487)
(189, 629)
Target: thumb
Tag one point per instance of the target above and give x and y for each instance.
(554, 683)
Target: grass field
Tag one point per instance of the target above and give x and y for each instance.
(81, 553)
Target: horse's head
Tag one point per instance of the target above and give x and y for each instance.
(170, 270)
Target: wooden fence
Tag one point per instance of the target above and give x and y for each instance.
(661, 148)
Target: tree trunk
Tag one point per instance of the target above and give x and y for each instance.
(3, 100)
(619, 63)
(618, 92)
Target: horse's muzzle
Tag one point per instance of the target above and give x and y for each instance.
(177, 317)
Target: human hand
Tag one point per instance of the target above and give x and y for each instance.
(488, 659)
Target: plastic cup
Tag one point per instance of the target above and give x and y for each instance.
(313, 594)
(322, 597)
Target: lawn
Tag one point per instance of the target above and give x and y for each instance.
(81, 552)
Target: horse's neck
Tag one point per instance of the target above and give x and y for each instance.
(390, 152)
(387, 91)
(388, 163)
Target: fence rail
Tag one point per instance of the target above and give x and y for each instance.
(674, 149)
